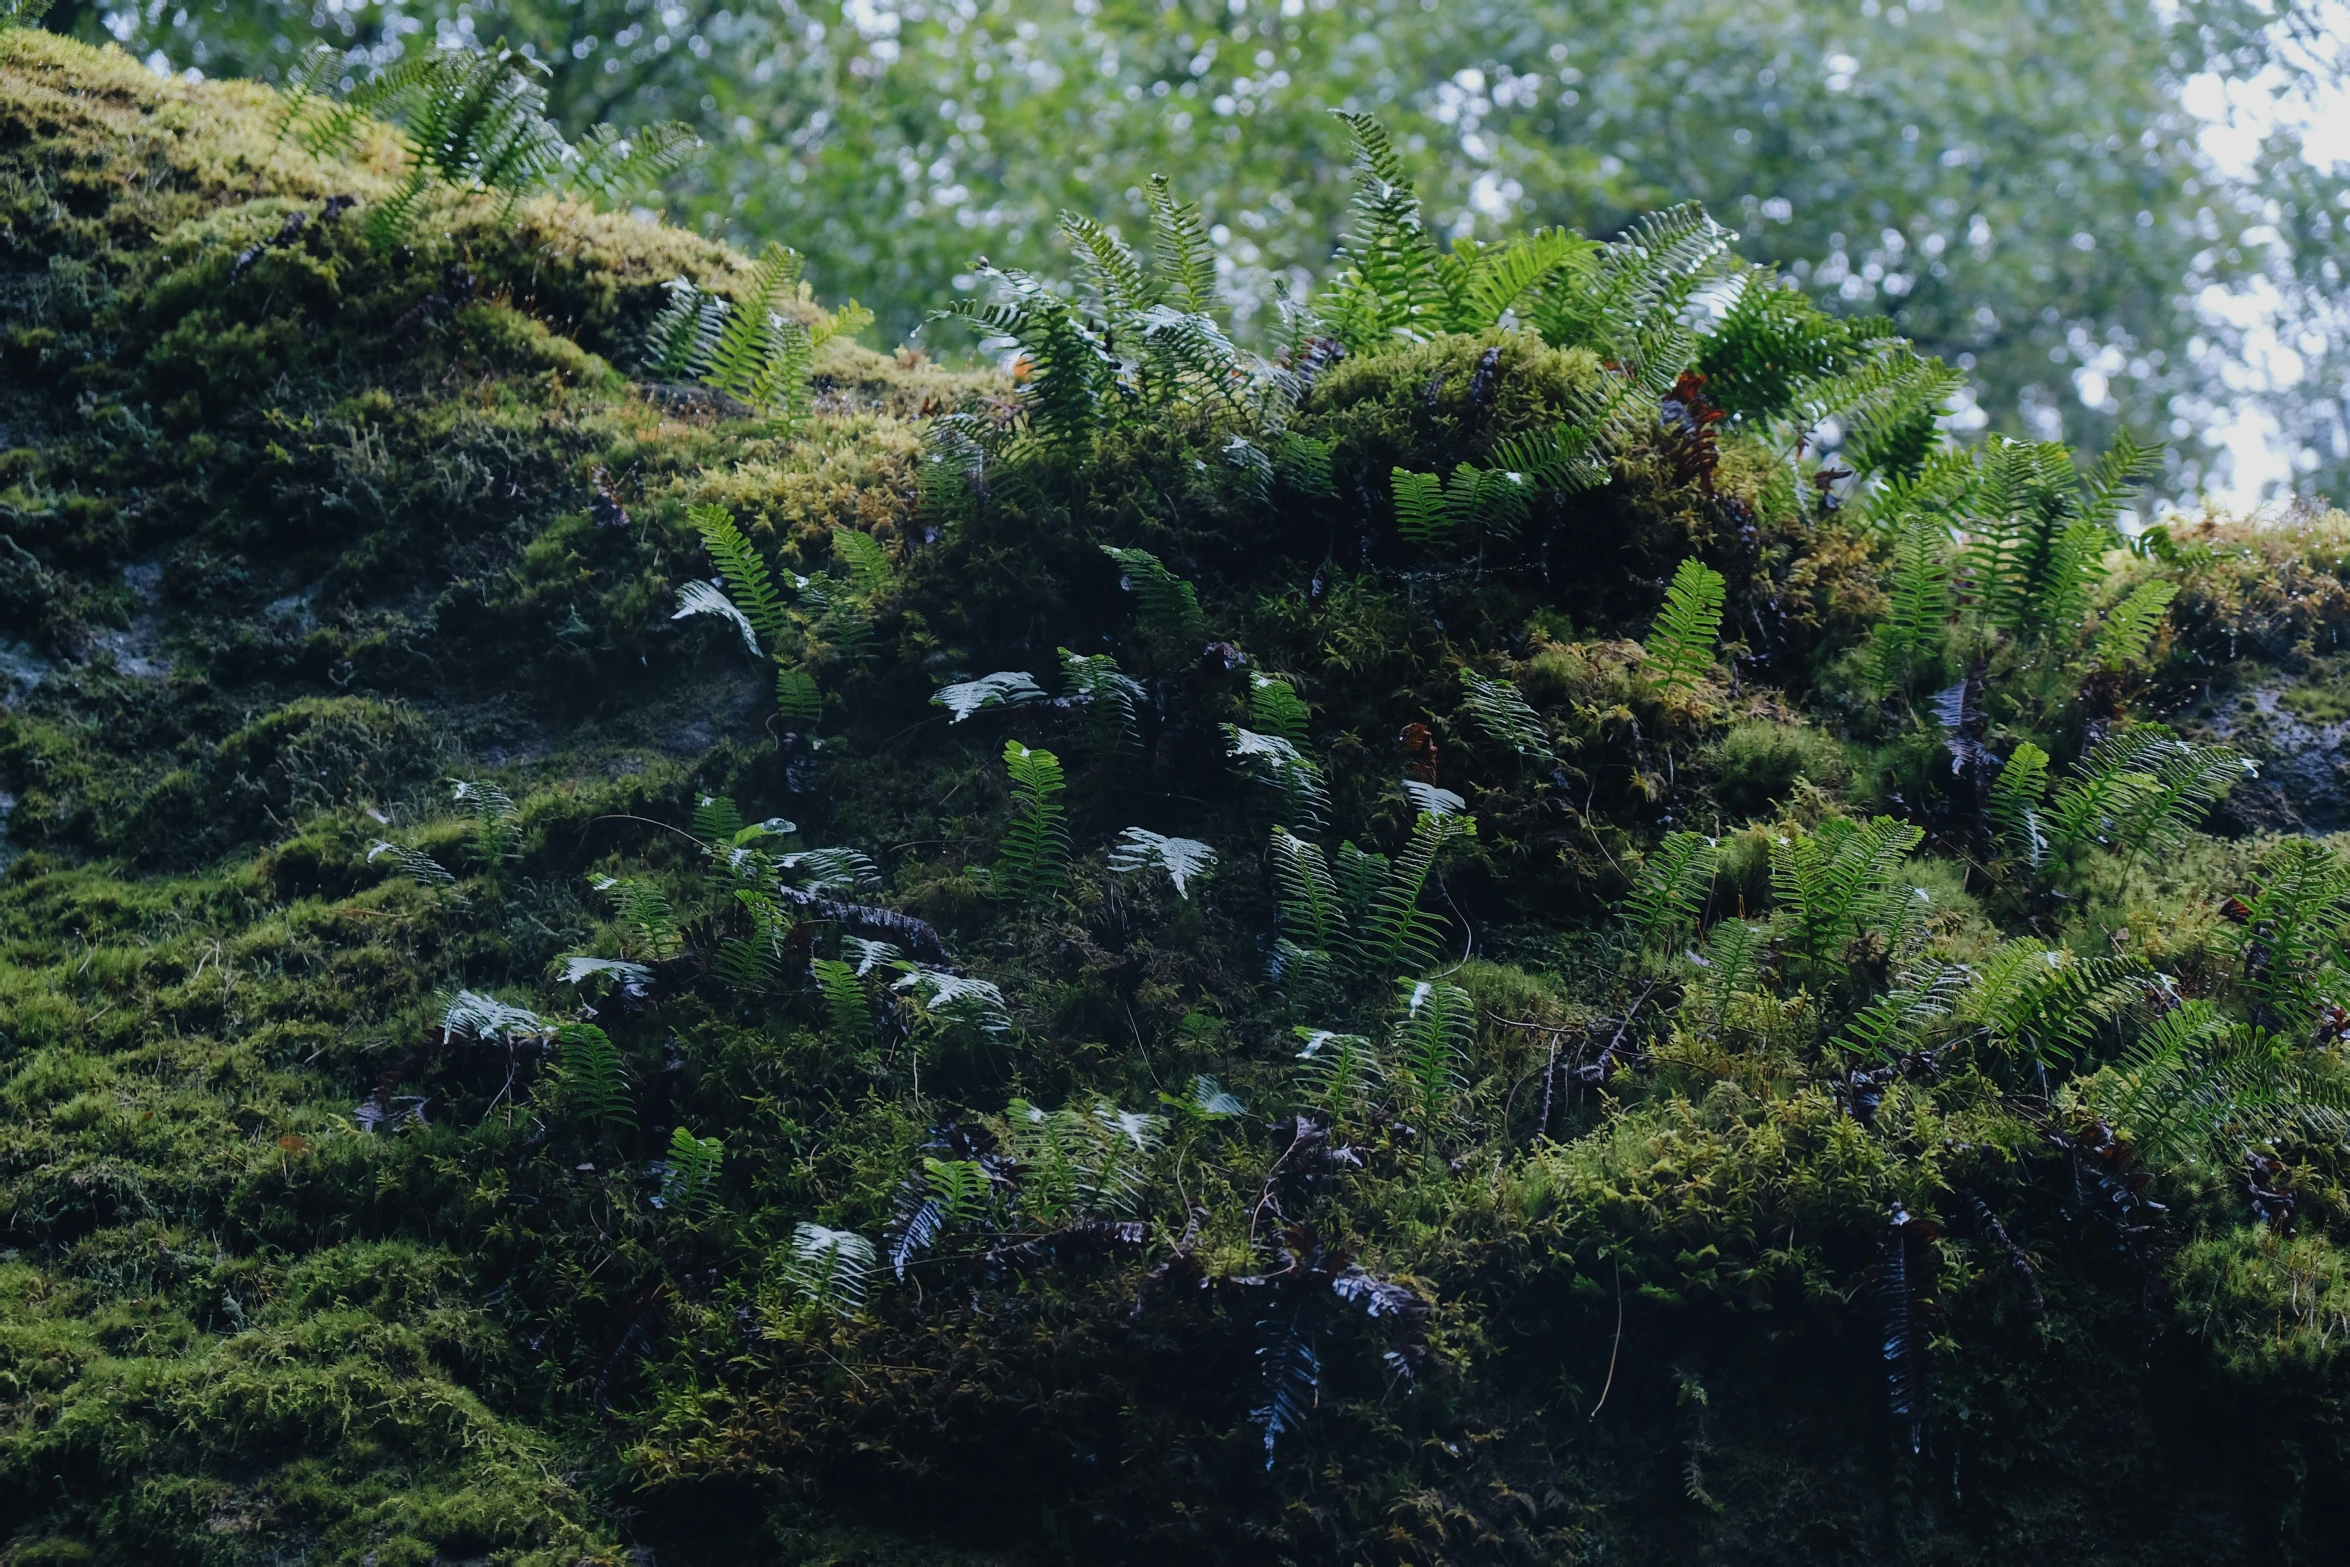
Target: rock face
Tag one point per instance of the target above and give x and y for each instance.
(1103, 1000)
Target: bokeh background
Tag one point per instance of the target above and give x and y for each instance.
(2109, 212)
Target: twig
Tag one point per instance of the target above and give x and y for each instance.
(1609, 1385)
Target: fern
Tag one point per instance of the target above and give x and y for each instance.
(754, 961)
(845, 1005)
(2197, 1086)
(1420, 516)
(472, 1015)
(2143, 789)
(748, 581)
(2129, 627)
(1892, 1024)
(594, 1087)
(962, 1190)
(2289, 947)
(1275, 708)
(2015, 807)
(304, 87)
(1624, 301)
(617, 167)
(1839, 881)
(700, 598)
(1919, 601)
(497, 830)
(1732, 965)
(418, 866)
(957, 999)
(691, 1181)
(1397, 935)
(1032, 861)
(796, 695)
(717, 820)
(1170, 607)
(1004, 688)
(828, 1269)
(1183, 257)
(865, 560)
(1305, 798)
(1068, 382)
(1497, 708)
(1671, 894)
(1109, 697)
(1388, 288)
(1430, 1048)
(1680, 647)
(1315, 924)
(1078, 1162)
(746, 362)
(2045, 1005)
(1185, 860)
(2037, 550)
(1483, 284)
(651, 930)
(1342, 1073)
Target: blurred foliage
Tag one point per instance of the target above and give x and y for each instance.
(2016, 183)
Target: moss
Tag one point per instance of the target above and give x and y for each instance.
(302, 533)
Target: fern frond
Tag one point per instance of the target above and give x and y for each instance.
(1109, 696)
(1918, 601)
(1420, 515)
(796, 695)
(1004, 688)
(650, 928)
(2118, 474)
(2144, 789)
(1389, 288)
(845, 1003)
(2014, 806)
(1306, 799)
(828, 1268)
(418, 866)
(497, 821)
(1341, 1072)
(2129, 628)
(1430, 1047)
(1671, 894)
(1483, 283)
(1032, 861)
(1397, 935)
(595, 1089)
(691, 1181)
(1275, 708)
(1840, 880)
(1185, 860)
(865, 560)
(1313, 916)
(1680, 647)
(1107, 270)
(1170, 605)
(956, 998)
(617, 167)
(2045, 1004)
(2289, 949)
(1068, 377)
(1497, 708)
(1181, 254)
(748, 582)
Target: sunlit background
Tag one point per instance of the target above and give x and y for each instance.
(2111, 213)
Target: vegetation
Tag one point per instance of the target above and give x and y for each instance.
(1717, 983)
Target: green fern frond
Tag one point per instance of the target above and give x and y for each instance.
(2125, 466)
(1671, 894)
(595, 1089)
(1397, 935)
(1107, 270)
(497, 821)
(2143, 789)
(1497, 708)
(1389, 288)
(1108, 695)
(1484, 283)
(748, 582)
(684, 334)
(1313, 916)
(1275, 708)
(1839, 880)
(2046, 1005)
(2129, 628)
(865, 560)
(1430, 1048)
(691, 1181)
(1680, 647)
(2289, 949)
(1420, 514)
(650, 928)
(1342, 1073)
(1171, 613)
(845, 1004)
(2014, 806)
(1918, 606)
(1068, 381)
(1184, 259)
(1032, 861)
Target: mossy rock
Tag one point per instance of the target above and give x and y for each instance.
(296, 535)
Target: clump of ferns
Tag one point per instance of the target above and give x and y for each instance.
(469, 120)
